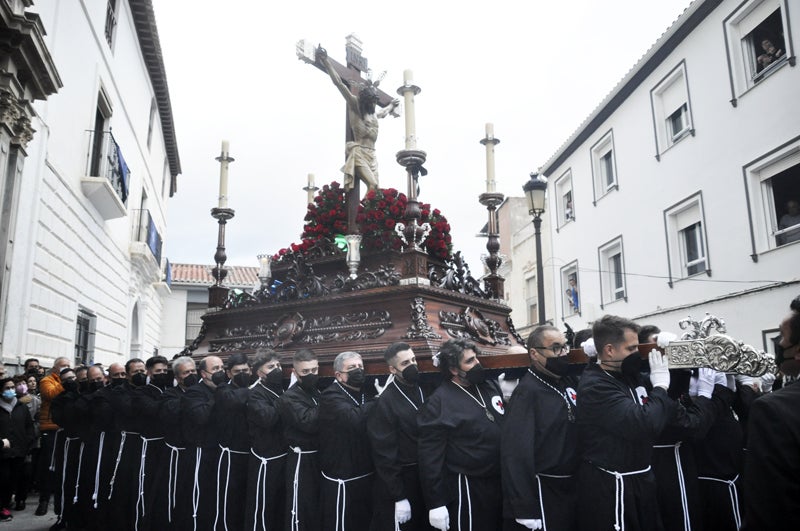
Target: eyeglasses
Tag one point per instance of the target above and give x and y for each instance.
(555, 348)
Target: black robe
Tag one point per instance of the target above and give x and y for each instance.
(618, 423)
(772, 461)
(124, 483)
(180, 469)
(344, 454)
(266, 500)
(230, 417)
(151, 504)
(540, 437)
(299, 412)
(203, 450)
(102, 415)
(392, 429)
(459, 453)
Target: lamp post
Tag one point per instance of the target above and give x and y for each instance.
(536, 192)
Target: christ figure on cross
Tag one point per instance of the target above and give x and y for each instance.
(361, 162)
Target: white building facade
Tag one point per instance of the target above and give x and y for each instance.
(83, 274)
(673, 198)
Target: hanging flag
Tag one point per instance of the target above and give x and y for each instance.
(122, 168)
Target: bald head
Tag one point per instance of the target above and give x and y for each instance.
(59, 364)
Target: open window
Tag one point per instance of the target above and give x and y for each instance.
(532, 299)
(565, 206)
(570, 290)
(672, 118)
(612, 271)
(687, 249)
(604, 167)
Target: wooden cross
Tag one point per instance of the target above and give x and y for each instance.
(356, 64)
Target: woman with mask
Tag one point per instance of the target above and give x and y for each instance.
(24, 481)
(459, 443)
(16, 437)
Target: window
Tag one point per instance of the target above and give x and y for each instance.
(194, 314)
(604, 169)
(612, 271)
(756, 42)
(570, 289)
(151, 122)
(687, 249)
(531, 292)
(84, 337)
(678, 123)
(565, 207)
(670, 105)
(111, 21)
(772, 184)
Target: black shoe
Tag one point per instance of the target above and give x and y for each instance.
(5, 515)
(20, 506)
(41, 510)
(58, 526)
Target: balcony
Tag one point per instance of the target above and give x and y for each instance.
(146, 244)
(107, 176)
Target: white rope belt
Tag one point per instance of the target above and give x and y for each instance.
(619, 494)
(539, 477)
(198, 454)
(123, 436)
(53, 451)
(64, 473)
(78, 477)
(295, 523)
(469, 501)
(341, 494)
(172, 484)
(97, 468)
(225, 452)
(262, 473)
(142, 474)
(734, 496)
(687, 524)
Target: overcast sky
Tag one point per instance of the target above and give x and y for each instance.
(535, 70)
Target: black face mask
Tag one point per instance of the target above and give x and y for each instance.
(273, 378)
(242, 379)
(95, 386)
(139, 379)
(190, 380)
(162, 381)
(631, 366)
(70, 386)
(83, 386)
(219, 378)
(356, 377)
(558, 365)
(410, 374)
(309, 382)
(116, 382)
(780, 351)
(33, 372)
(475, 375)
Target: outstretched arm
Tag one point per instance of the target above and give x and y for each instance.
(389, 109)
(322, 55)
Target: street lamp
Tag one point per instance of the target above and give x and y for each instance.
(536, 192)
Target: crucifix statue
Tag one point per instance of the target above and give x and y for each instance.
(361, 121)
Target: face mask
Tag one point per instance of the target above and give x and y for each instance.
(356, 377)
(9, 394)
(115, 382)
(309, 382)
(33, 371)
(70, 386)
(558, 365)
(83, 386)
(411, 374)
(95, 386)
(632, 365)
(242, 379)
(475, 375)
(139, 379)
(219, 378)
(22, 389)
(273, 378)
(161, 380)
(190, 380)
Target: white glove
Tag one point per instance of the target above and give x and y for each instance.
(439, 518)
(767, 379)
(746, 381)
(6, 443)
(665, 338)
(402, 511)
(530, 523)
(659, 369)
(588, 347)
(706, 379)
(506, 386)
(381, 388)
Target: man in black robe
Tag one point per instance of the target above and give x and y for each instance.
(539, 452)
(459, 443)
(392, 430)
(772, 460)
(344, 454)
(267, 468)
(299, 411)
(230, 417)
(64, 414)
(201, 440)
(89, 433)
(180, 472)
(618, 422)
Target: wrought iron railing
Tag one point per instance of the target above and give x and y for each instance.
(145, 231)
(104, 159)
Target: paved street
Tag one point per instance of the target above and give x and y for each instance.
(27, 521)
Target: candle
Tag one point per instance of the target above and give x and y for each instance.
(223, 175)
(310, 188)
(311, 180)
(490, 142)
(408, 99)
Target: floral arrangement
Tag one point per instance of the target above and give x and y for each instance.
(380, 210)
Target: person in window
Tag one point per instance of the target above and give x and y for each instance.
(572, 294)
(790, 219)
(771, 54)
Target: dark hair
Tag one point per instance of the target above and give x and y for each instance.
(794, 321)
(240, 358)
(581, 336)
(81, 368)
(131, 362)
(6, 379)
(393, 349)
(155, 360)
(535, 338)
(610, 330)
(304, 354)
(29, 360)
(264, 355)
(646, 331)
(451, 352)
(20, 378)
